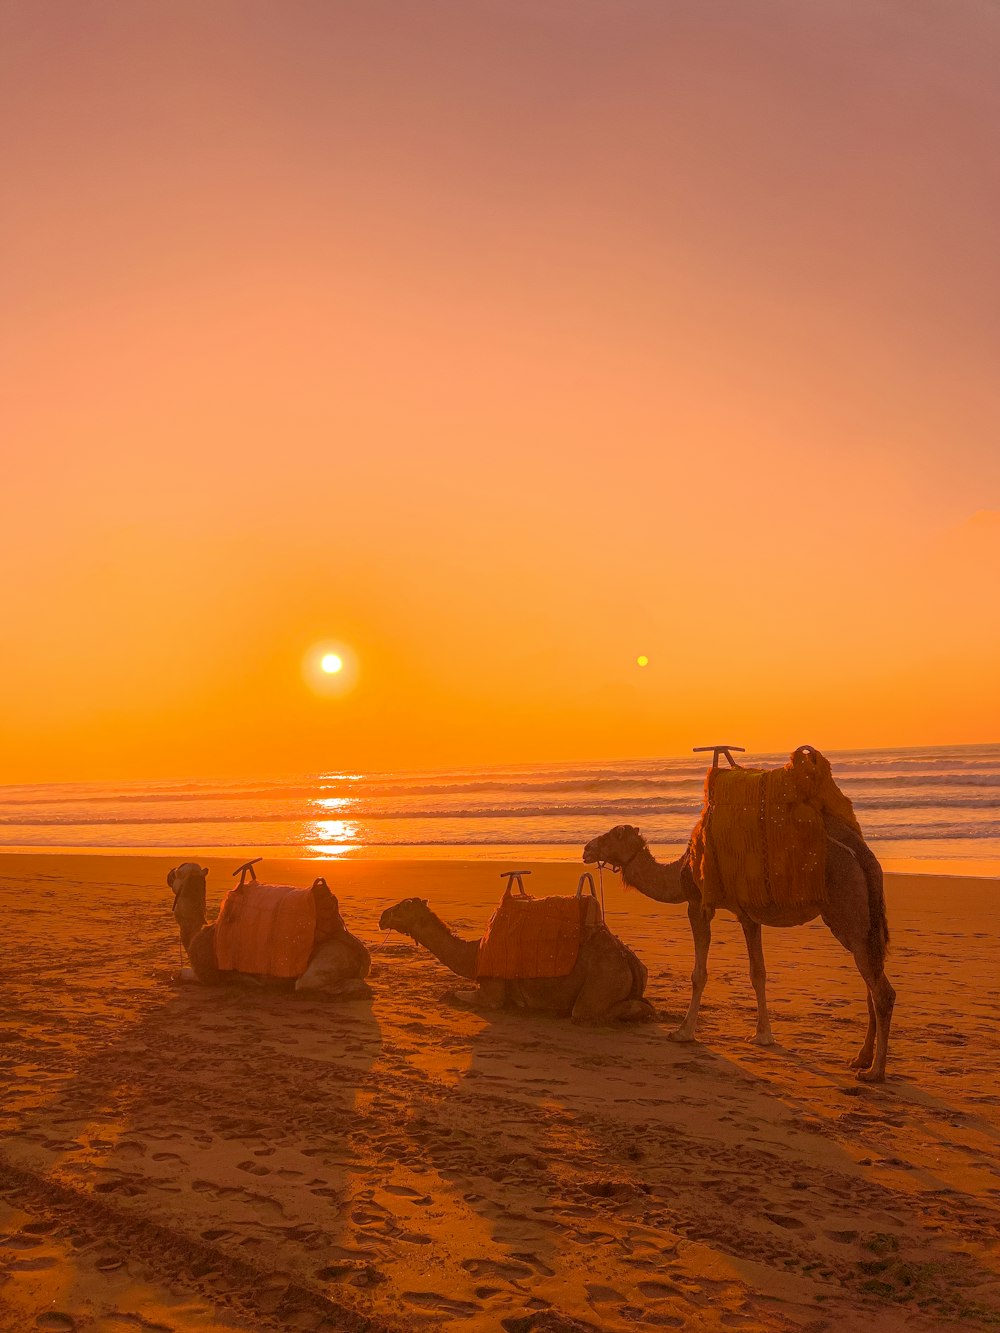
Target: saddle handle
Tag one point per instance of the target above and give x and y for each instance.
(510, 876)
(244, 869)
(588, 879)
(720, 749)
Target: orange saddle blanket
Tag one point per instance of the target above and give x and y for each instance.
(266, 929)
(535, 937)
(761, 839)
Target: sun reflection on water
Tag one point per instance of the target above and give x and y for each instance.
(335, 837)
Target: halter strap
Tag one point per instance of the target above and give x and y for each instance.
(622, 865)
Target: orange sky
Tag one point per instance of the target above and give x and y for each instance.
(501, 341)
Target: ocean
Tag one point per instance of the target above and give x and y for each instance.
(934, 809)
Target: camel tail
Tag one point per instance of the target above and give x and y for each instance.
(878, 922)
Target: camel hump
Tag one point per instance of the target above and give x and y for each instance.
(329, 922)
(761, 839)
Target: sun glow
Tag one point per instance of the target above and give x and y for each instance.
(330, 669)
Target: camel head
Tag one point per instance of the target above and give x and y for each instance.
(405, 916)
(188, 884)
(616, 847)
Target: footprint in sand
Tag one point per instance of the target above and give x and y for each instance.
(253, 1168)
(598, 1295)
(55, 1322)
(782, 1220)
(344, 1252)
(494, 1268)
(534, 1262)
(30, 1265)
(405, 1192)
(432, 1300)
(118, 1187)
(659, 1291)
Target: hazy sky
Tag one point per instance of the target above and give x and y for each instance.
(500, 341)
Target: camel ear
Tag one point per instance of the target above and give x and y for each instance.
(170, 877)
(204, 870)
(423, 902)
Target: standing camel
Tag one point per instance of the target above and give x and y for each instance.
(854, 911)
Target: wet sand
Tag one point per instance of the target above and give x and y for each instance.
(177, 1158)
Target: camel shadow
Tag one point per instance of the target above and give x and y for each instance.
(681, 1180)
(216, 1126)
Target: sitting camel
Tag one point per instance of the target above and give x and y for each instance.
(854, 912)
(606, 984)
(338, 962)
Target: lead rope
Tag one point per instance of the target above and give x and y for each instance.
(180, 946)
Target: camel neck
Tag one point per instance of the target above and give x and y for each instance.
(661, 883)
(457, 954)
(190, 918)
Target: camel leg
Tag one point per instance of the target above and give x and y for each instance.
(333, 970)
(847, 914)
(758, 976)
(881, 997)
(631, 1011)
(604, 996)
(701, 930)
(865, 1056)
(622, 1011)
(489, 994)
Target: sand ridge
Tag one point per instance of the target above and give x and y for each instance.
(181, 1158)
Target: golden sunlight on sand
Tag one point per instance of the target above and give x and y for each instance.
(262, 1162)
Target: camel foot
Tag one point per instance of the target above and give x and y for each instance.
(187, 976)
(763, 1039)
(467, 999)
(862, 1060)
(872, 1075)
(355, 988)
(682, 1034)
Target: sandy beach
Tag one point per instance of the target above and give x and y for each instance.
(179, 1158)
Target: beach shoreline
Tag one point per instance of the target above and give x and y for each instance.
(208, 1159)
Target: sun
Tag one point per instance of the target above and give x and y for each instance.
(642, 660)
(330, 668)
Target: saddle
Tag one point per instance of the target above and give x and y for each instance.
(761, 838)
(270, 930)
(529, 938)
